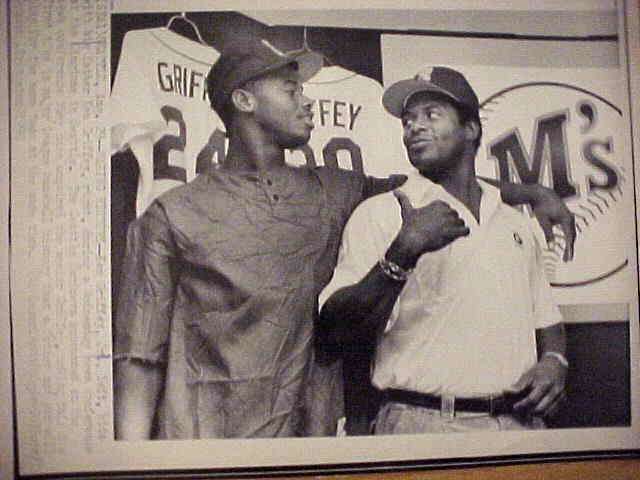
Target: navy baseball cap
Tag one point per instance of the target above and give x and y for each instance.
(443, 80)
(236, 67)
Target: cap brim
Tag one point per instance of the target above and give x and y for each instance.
(396, 96)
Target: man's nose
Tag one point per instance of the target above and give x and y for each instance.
(414, 126)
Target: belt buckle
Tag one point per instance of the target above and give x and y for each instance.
(448, 406)
(492, 405)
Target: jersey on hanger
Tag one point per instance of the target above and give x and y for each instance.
(352, 129)
(160, 109)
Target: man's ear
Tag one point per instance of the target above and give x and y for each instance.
(472, 128)
(243, 100)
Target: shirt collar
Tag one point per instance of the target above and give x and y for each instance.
(491, 200)
(422, 191)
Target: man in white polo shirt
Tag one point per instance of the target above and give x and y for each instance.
(448, 281)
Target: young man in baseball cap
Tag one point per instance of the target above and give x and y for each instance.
(213, 336)
(448, 282)
(214, 330)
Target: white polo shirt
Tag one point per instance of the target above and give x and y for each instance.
(464, 323)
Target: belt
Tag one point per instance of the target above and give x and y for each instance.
(493, 405)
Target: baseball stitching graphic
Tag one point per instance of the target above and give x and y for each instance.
(570, 139)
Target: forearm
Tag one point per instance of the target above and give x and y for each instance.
(553, 339)
(548, 207)
(137, 389)
(517, 193)
(359, 312)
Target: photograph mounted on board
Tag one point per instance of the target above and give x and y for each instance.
(320, 239)
(301, 246)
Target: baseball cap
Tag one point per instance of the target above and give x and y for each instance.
(236, 67)
(444, 80)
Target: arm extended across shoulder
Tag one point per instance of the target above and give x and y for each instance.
(548, 208)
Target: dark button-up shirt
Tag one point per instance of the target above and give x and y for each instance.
(220, 285)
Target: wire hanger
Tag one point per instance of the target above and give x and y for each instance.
(305, 41)
(183, 16)
(307, 48)
(326, 60)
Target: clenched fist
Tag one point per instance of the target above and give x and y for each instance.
(423, 230)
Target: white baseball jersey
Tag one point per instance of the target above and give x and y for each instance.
(160, 109)
(352, 129)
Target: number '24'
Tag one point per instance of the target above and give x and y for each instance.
(216, 147)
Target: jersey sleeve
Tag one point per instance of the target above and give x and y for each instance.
(129, 110)
(546, 312)
(145, 306)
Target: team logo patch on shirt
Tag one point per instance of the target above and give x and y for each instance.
(517, 238)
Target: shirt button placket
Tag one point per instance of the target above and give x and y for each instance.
(269, 183)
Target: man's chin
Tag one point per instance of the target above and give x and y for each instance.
(425, 164)
(296, 142)
(430, 170)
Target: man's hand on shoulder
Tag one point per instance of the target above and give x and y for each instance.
(547, 206)
(550, 210)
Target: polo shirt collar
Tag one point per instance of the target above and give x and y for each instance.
(422, 191)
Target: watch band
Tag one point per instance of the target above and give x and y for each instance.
(394, 271)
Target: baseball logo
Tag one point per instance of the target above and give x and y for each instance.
(569, 139)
